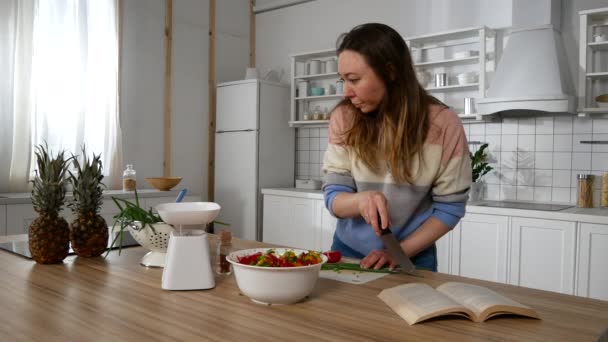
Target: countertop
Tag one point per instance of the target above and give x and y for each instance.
(587, 215)
(25, 197)
(112, 299)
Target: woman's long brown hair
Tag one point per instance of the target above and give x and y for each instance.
(397, 130)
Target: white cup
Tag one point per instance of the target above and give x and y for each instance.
(300, 69)
(251, 74)
(599, 38)
(314, 67)
(329, 89)
(339, 87)
(331, 65)
(302, 88)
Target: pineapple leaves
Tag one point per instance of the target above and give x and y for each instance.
(86, 184)
(48, 190)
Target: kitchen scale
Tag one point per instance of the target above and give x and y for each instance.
(188, 262)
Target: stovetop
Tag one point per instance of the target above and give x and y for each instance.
(523, 205)
(22, 248)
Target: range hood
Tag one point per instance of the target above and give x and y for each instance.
(532, 75)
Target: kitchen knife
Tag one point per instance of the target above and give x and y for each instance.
(394, 249)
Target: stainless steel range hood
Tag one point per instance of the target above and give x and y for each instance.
(531, 75)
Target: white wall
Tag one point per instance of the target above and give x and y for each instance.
(142, 82)
(316, 25)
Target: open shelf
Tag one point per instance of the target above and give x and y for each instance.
(452, 61)
(598, 75)
(335, 96)
(309, 123)
(454, 87)
(599, 46)
(318, 76)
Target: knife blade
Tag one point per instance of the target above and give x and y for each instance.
(394, 249)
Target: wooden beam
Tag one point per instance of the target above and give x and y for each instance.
(211, 93)
(251, 34)
(116, 181)
(167, 86)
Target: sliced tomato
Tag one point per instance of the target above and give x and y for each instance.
(333, 256)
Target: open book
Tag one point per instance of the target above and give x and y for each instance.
(417, 302)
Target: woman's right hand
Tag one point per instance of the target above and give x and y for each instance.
(373, 208)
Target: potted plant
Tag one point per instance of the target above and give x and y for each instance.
(479, 167)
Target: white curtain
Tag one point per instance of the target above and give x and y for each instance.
(64, 84)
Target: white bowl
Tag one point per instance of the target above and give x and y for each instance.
(274, 285)
(188, 213)
(155, 241)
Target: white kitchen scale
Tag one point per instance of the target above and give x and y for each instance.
(188, 263)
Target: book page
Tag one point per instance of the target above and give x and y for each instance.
(483, 301)
(416, 302)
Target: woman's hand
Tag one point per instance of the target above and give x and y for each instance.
(374, 209)
(377, 259)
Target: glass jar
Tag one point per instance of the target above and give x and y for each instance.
(584, 194)
(224, 247)
(129, 182)
(605, 189)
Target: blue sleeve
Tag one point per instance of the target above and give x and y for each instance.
(329, 193)
(449, 212)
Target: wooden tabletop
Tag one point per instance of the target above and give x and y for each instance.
(113, 299)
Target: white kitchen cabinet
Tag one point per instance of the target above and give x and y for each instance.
(325, 225)
(593, 54)
(301, 103)
(444, 252)
(3, 220)
(275, 218)
(454, 52)
(592, 270)
(543, 254)
(19, 217)
(479, 247)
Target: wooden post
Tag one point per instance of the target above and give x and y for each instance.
(211, 92)
(167, 86)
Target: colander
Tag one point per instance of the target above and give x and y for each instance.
(155, 241)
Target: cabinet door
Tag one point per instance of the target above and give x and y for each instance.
(593, 261)
(20, 218)
(325, 226)
(300, 232)
(2, 219)
(542, 254)
(444, 245)
(275, 218)
(479, 247)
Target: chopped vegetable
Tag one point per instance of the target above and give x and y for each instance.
(287, 259)
(333, 256)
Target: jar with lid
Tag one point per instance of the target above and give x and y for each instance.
(129, 182)
(605, 189)
(224, 248)
(317, 114)
(584, 195)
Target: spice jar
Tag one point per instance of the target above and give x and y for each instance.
(128, 179)
(605, 189)
(224, 248)
(584, 198)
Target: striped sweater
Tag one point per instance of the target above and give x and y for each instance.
(440, 188)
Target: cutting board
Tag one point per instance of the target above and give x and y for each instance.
(352, 277)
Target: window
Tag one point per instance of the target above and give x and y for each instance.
(62, 88)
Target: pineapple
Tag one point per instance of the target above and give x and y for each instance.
(89, 234)
(49, 233)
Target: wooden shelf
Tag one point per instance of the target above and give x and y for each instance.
(453, 61)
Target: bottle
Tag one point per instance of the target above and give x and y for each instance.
(584, 195)
(605, 189)
(224, 247)
(129, 182)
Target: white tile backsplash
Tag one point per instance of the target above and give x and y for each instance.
(533, 158)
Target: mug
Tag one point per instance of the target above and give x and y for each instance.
(599, 38)
(339, 87)
(314, 67)
(331, 65)
(329, 89)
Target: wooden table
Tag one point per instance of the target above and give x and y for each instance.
(117, 299)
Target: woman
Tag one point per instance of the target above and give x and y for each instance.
(397, 157)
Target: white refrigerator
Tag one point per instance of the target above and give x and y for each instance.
(254, 149)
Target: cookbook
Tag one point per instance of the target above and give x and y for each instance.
(417, 302)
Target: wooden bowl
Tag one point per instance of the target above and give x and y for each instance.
(163, 183)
